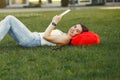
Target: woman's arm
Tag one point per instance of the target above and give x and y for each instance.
(52, 25)
(53, 38)
(59, 40)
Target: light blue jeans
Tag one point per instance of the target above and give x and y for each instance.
(19, 32)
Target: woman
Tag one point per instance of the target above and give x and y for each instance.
(50, 36)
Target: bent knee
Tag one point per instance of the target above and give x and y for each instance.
(10, 17)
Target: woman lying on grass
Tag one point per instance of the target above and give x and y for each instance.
(51, 36)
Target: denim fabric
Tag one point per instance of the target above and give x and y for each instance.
(19, 32)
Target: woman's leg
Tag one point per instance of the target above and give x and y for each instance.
(4, 28)
(16, 29)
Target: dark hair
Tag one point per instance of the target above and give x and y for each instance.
(84, 28)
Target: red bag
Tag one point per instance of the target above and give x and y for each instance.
(86, 38)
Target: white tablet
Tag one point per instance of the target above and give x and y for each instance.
(65, 12)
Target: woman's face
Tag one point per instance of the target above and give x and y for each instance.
(74, 30)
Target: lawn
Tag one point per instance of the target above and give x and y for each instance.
(97, 62)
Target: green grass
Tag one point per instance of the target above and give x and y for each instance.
(97, 62)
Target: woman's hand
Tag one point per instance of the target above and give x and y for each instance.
(56, 19)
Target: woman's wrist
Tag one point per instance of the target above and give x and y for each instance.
(53, 23)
